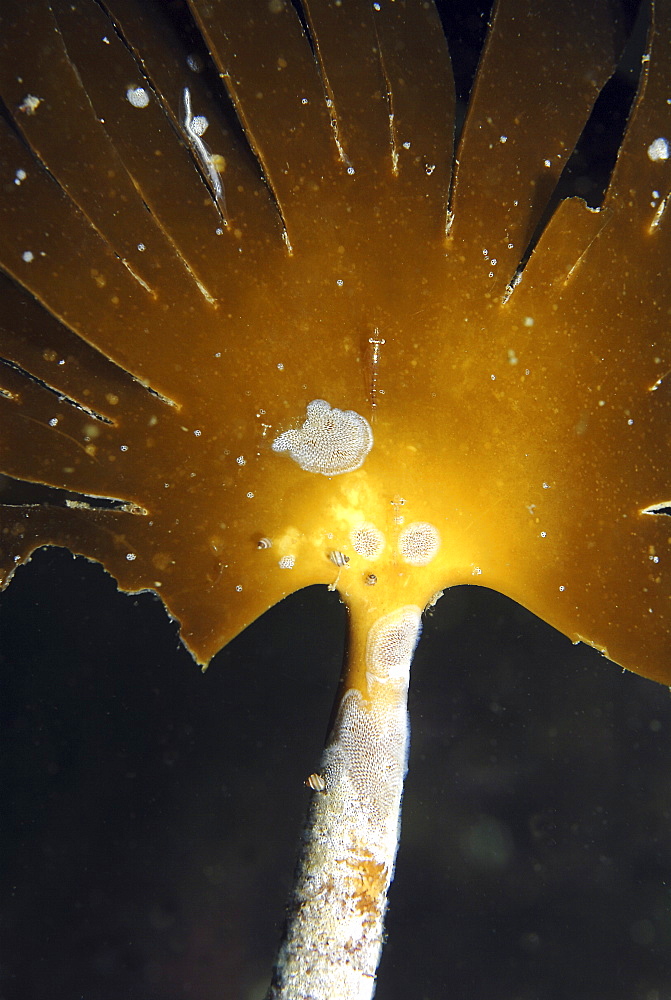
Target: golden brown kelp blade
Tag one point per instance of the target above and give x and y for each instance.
(242, 268)
(543, 65)
(593, 350)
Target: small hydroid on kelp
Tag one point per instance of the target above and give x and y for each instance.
(262, 329)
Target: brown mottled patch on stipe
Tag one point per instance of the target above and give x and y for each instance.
(370, 882)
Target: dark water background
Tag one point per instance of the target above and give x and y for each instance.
(150, 814)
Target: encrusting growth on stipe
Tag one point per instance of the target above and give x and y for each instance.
(334, 928)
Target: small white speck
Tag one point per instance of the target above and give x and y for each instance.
(250, 496)
(547, 163)
(123, 447)
(137, 96)
(304, 100)
(544, 534)
(430, 167)
(546, 486)
(562, 587)
(217, 354)
(238, 588)
(602, 402)
(130, 556)
(528, 321)
(351, 170)
(219, 231)
(654, 559)
(485, 253)
(194, 63)
(27, 256)
(53, 422)
(286, 562)
(655, 194)
(376, 6)
(199, 125)
(503, 138)
(141, 247)
(30, 104)
(19, 176)
(339, 282)
(493, 261)
(280, 367)
(658, 150)
(197, 433)
(493, 378)
(106, 40)
(630, 421)
(241, 460)
(406, 145)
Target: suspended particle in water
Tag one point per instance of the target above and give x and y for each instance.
(194, 62)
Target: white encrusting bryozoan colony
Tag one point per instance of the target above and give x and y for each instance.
(330, 442)
(335, 922)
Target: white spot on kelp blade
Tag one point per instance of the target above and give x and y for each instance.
(330, 442)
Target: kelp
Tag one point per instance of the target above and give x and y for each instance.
(173, 302)
(263, 328)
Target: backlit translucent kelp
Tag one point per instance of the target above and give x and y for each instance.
(262, 328)
(160, 333)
